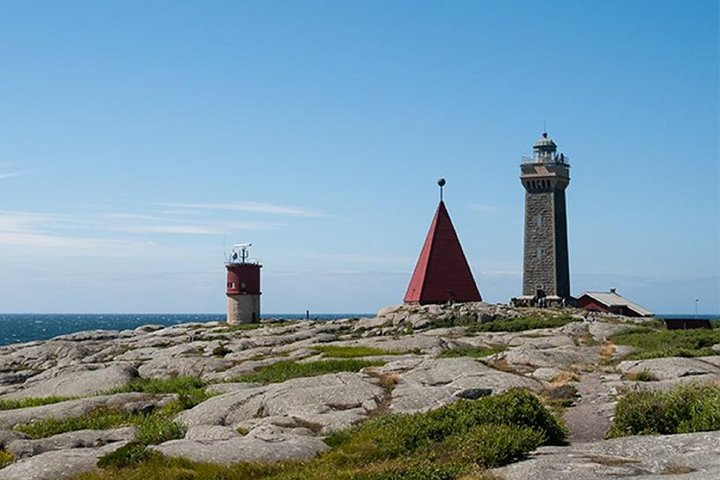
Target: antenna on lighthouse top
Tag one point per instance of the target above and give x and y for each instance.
(441, 184)
(240, 252)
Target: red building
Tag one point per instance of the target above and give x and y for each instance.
(442, 273)
(611, 302)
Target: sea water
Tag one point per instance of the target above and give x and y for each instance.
(23, 327)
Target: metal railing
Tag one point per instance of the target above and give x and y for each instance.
(556, 158)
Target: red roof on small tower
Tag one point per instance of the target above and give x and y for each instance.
(442, 273)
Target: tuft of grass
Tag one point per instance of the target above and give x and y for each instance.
(131, 454)
(190, 390)
(337, 351)
(453, 442)
(518, 324)
(288, 369)
(158, 428)
(474, 352)
(684, 409)
(643, 376)
(6, 458)
(32, 402)
(240, 327)
(221, 350)
(560, 396)
(522, 323)
(652, 342)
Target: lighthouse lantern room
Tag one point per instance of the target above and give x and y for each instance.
(243, 286)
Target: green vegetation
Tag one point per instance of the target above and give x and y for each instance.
(6, 458)
(658, 342)
(287, 369)
(550, 320)
(560, 396)
(684, 409)
(131, 454)
(449, 443)
(239, 327)
(336, 351)
(190, 390)
(31, 402)
(474, 352)
(153, 428)
(643, 376)
(523, 323)
(221, 350)
(99, 419)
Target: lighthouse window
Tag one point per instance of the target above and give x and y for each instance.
(538, 220)
(242, 285)
(539, 252)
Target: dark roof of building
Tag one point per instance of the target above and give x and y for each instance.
(442, 272)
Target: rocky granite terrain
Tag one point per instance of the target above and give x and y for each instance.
(422, 358)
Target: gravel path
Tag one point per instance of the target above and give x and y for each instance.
(590, 418)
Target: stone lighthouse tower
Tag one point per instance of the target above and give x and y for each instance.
(546, 270)
(243, 286)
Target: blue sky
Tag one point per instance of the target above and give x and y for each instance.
(135, 136)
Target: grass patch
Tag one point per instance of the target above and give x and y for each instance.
(32, 402)
(221, 351)
(6, 458)
(131, 454)
(100, 419)
(560, 396)
(474, 352)
(336, 351)
(522, 323)
(288, 369)
(241, 327)
(652, 342)
(449, 443)
(190, 390)
(685, 408)
(518, 324)
(643, 376)
(153, 428)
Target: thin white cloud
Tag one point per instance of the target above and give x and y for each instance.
(48, 232)
(362, 258)
(169, 229)
(194, 229)
(133, 216)
(250, 207)
(479, 207)
(49, 244)
(17, 173)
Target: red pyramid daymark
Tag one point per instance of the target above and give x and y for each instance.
(442, 273)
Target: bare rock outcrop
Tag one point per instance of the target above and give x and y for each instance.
(57, 464)
(690, 456)
(429, 360)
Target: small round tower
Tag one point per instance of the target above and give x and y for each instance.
(243, 286)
